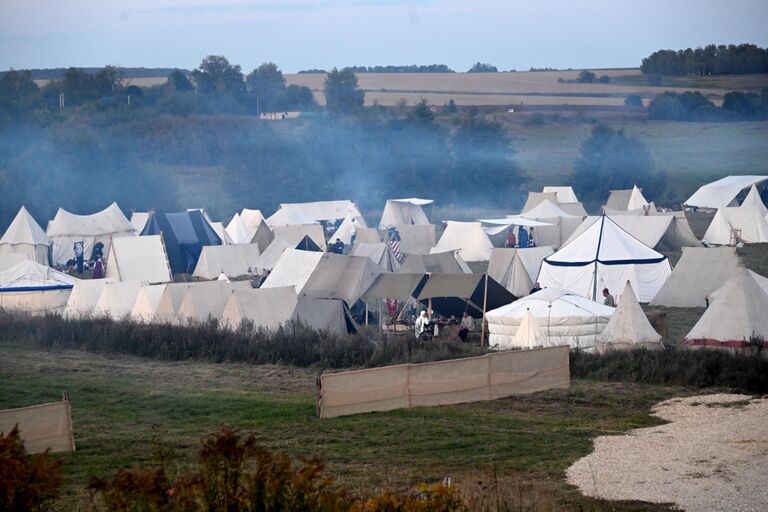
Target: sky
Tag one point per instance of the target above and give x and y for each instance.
(304, 34)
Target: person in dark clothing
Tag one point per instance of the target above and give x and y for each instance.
(522, 236)
(337, 246)
(536, 287)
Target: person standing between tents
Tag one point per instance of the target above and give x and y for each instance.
(422, 322)
(536, 287)
(338, 246)
(531, 239)
(608, 298)
(98, 269)
(522, 234)
(467, 325)
(511, 240)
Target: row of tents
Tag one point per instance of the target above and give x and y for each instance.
(620, 248)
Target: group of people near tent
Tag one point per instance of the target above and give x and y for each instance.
(554, 274)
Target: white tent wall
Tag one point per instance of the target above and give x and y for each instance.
(563, 318)
(34, 288)
(25, 236)
(295, 233)
(329, 315)
(234, 260)
(628, 327)
(139, 220)
(416, 239)
(661, 232)
(562, 194)
(252, 219)
(302, 213)
(342, 277)
(267, 308)
(379, 253)
(738, 314)
(404, 211)
(754, 201)
(67, 228)
(530, 334)
(469, 238)
(117, 299)
(149, 299)
(516, 269)
(294, 268)
(138, 258)
(750, 223)
(85, 294)
(238, 232)
(699, 272)
(206, 300)
(269, 258)
(369, 235)
(220, 230)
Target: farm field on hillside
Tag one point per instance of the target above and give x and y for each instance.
(127, 411)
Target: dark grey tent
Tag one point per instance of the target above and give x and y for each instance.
(184, 235)
(453, 294)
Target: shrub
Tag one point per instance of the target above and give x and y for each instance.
(746, 372)
(26, 482)
(633, 100)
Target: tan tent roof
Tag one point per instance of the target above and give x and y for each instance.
(268, 308)
(516, 269)
(468, 238)
(207, 299)
(138, 258)
(341, 277)
(449, 262)
(295, 233)
(416, 239)
(699, 272)
(117, 299)
(393, 286)
(628, 327)
(234, 260)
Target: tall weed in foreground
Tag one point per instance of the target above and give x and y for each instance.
(27, 482)
(745, 371)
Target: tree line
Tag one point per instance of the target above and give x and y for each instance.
(695, 107)
(712, 59)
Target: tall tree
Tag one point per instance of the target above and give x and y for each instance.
(342, 95)
(178, 82)
(266, 83)
(216, 75)
(611, 160)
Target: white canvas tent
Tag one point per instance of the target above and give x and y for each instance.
(660, 232)
(628, 327)
(530, 334)
(295, 233)
(233, 260)
(293, 269)
(562, 316)
(269, 258)
(699, 272)
(754, 201)
(416, 239)
(36, 288)
(267, 308)
(139, 220)
(25, 236)
(238, 232)
(307, 213)
(159, 303)
(221, 231)
(623, 200)
(722, 192)
(117, 299)
(380, 253)
(449, 262)
(138, 258)
(67, 228)
(207, 299)
(534, 198)
(761, 281)
(404, 211)
(738, 314)
(562, 194)
(252, 218)
(559, 224)
(737, 224)
(516, 269)
(342, 277)
(468, 238)
(349, 227)
(605, 256)
(85, 294)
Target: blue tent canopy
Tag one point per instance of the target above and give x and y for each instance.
(184, 234)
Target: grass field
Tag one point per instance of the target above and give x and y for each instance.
(531, 88)
(125, 408)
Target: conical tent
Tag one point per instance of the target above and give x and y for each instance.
(605, 256)
(761, 281)
(734, 224)
(754, 202)
(738, 314)
(628, 327)
(468, 238)
(530, 334)
(25, 236)
(699, 272)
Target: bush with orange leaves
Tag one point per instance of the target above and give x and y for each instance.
(27, 482)
(236, 475)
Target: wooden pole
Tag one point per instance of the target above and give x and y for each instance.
(485, 303)
(366, 314)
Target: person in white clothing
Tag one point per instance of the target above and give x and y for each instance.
(467, 324)
(421, 324)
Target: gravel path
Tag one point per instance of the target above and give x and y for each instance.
(713, 455)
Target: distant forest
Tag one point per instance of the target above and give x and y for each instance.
(58, 73)
(732, 59)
